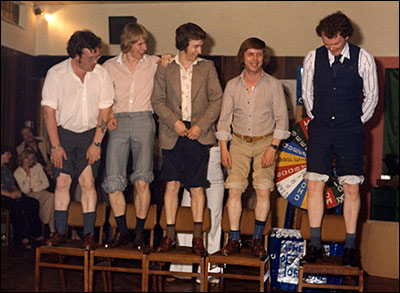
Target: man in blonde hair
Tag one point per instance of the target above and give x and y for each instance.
(131, 128)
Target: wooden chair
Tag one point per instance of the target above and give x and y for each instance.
(244, 258)
(332, 230)
(107, 255)
(158, 263)
(70, 248)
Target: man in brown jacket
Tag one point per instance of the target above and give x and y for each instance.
(187, 99)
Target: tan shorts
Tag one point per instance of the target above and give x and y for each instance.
(242, 153)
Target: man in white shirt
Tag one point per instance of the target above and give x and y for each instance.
(77, 98)
(335, 78)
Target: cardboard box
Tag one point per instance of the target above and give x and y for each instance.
(379, 248)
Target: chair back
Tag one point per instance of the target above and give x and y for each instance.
(247, 221)
(184, 220)
(151, 219)
(332, 229)
(75, 216)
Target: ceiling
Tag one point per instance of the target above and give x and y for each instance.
(90, 2)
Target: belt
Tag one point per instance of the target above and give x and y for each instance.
(251, 138)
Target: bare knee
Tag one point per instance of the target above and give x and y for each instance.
(141, 186)
(173, 186)
(63, 183)
(86, 183)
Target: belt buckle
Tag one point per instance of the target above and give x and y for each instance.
(248, 139)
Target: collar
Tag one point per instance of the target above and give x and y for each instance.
(345, 54)
(120, 61)
(263, 75)
(176, 59)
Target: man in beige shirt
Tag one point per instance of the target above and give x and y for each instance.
(254, 104)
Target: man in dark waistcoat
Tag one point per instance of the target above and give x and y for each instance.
(340, 92)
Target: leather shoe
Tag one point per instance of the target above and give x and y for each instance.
(312, 254)
(166, 244)
(349, 257)
(139, 243)
(120, 240)
(198, 247)
(233, 246)
(56, 239)
(88, 242)
(257, 248)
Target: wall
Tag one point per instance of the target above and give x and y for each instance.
(21, 39)
(288, 27)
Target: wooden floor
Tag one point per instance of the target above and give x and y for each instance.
(17, 275)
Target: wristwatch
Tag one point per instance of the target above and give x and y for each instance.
(274, 146)
(98, 144)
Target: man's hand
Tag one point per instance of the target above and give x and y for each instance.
(165, 60)
(268, 158)
(112, 124)
(226, 159)
(93, 154)
(194, 132)
(57, 155)
(180, 128)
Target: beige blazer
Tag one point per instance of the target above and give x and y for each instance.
(166, 100)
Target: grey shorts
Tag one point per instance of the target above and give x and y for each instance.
(135, 133)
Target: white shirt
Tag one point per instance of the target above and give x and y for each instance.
(77, 104)
(132, 91)
(186, 88)
(366, 69)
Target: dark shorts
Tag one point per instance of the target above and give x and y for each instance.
(75, 145)
(344, 144)
(186, 162)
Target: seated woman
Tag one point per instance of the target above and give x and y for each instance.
(32, 181)
(24, 210)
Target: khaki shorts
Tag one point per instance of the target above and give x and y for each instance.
(242, 153)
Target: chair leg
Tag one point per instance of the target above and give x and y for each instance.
(37, 270)
(62, 274)
(109, 281)
(300, 285)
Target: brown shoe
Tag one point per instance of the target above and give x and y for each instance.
(56, 239)
(166, 244)
(139, 243)
(119, 240)
(233, 246)
(257, 248)
(88, 242)
(198, 247)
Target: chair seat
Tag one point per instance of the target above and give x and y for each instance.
(179, 254)
(244, 258)
(125, 251)
(331, 265)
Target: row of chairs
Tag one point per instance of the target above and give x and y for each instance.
(128, 260)
(108, 260)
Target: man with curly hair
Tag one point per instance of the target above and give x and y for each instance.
(77, 97)
(335, 78)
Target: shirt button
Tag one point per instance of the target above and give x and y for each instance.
(84, 99)
(130, 101)
(333, 118)
(334, 89)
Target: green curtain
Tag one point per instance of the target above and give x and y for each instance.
(390, 154)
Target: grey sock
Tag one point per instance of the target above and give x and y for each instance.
(88, 222)
(315, 237)
(350, 240)
(60, 218)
